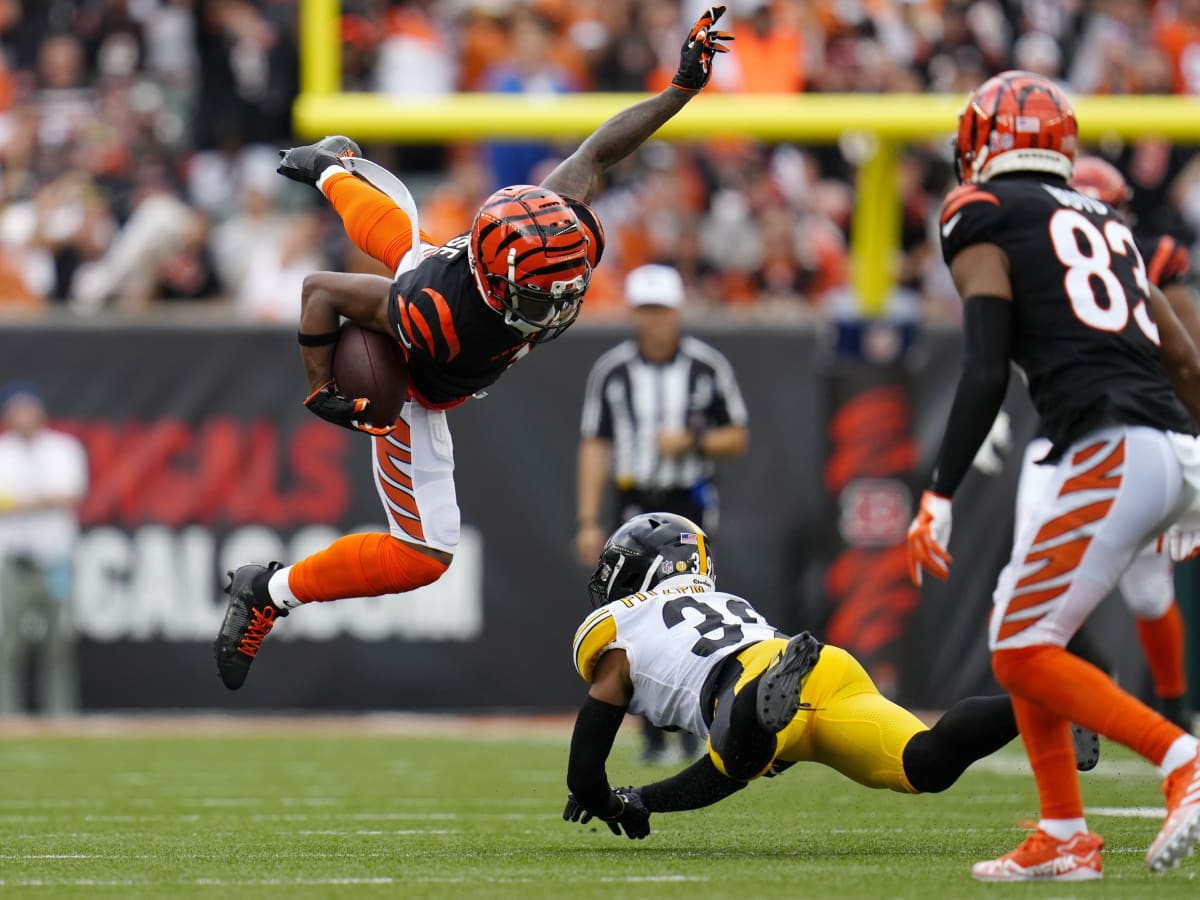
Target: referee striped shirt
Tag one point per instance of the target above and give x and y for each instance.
(629, 401)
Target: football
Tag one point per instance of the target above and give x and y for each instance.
(369, 364)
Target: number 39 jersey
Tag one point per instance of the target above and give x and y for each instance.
(1083, 335)
(673, 636)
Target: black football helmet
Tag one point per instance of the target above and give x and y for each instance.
(648, 549)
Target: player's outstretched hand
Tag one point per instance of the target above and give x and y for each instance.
(928, 537)
(1181, 544)
(702, 44)
(328, 403)
(634, 818)
(305, 164)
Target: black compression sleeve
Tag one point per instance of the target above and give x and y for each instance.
(595, 730)
(700, 784)
(987, 330)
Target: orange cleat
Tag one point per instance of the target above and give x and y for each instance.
(1181, 831)
(1042, 857)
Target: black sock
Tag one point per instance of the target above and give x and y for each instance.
(970, 730)
(258, 585)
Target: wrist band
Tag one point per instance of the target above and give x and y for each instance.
(317, 340)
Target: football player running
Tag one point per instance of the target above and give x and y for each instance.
(1147, 586)
(463, 312)
(664, 643)
(1052, 280)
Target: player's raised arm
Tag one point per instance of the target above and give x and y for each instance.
(578, 176)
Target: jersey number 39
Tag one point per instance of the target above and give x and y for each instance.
(674, 612)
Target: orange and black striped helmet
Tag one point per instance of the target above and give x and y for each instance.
(529, 257)
(1015, 122)
(1100, 179)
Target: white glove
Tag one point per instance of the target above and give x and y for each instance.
(928, 537)
(1180, 544)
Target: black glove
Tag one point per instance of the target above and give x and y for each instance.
(305, 164)
(695, 59)
(633, 816)
(328, 403)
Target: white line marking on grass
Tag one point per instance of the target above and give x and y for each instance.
(1008, 764)
(60, 856)
(625, 879)
(78, 882)
(1127, 812)
(363, 831)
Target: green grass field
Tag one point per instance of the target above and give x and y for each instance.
(333, 810)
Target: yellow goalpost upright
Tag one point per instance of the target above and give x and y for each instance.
(887, 121)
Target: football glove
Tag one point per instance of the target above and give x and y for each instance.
(1180, 544)
(695, 58)
(328, 403)
(633, 816)
(928, 536)
(305, 164)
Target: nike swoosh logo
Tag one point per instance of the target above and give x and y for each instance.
(949, 226)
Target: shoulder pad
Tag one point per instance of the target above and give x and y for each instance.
(592, 638)
(970, 215)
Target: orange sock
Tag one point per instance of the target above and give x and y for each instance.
(1162, 641)
(1048, 743)
(362, 565)
(1077, 691)
(372, 220)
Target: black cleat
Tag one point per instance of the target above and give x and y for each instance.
(1087, 748)
(305, 164)
(778, 691)
(247, 621)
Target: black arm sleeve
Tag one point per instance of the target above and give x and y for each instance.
(700, 784)
(987, 329)
(595, 730)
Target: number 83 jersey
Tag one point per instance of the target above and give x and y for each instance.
(674, 636)
(1082, 332)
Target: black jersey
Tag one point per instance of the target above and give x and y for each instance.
(454, 343)
(1083, 335)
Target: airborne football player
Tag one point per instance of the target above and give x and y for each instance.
(463, 312)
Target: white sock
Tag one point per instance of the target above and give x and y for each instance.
(1062, 829)
(280, 591)
(1180, 754)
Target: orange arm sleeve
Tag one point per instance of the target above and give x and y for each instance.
(373, 222)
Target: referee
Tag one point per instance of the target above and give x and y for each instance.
(658, 411)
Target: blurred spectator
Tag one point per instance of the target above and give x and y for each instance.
(1179, 37)
(275, 271)
(769, 50)
(43, 478)
(415, 58)
(160, 252)
(531, 69)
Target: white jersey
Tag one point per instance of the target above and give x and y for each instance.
(674, 636)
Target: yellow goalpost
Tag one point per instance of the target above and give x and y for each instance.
(888, 121)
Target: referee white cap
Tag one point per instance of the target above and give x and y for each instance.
(654, 285)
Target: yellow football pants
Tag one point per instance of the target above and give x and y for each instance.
(844, 722)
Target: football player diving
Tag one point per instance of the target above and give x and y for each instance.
(664, 643)
(462, 312)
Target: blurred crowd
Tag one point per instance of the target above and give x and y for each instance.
(138, 138)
